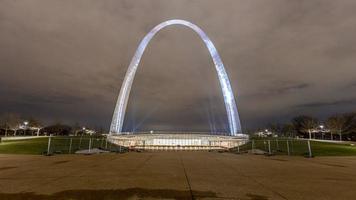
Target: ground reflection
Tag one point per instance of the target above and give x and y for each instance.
(131, 193)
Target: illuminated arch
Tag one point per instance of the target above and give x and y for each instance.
(229, 100)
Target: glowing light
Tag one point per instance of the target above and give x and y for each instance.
(229, 100)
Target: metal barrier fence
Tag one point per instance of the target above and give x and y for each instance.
(269, 146)
(70, 145)
(277, 147)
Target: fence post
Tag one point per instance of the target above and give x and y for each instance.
(89, 144)
(252, 145)
(269, 147)
(309, 149)
(288, 148)
(277, 144)
(80, 142)
(292, 147)
(264, 143)
(49, 145)
(70, 145)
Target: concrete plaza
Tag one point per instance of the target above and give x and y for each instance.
(176, 175)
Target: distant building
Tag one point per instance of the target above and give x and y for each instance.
(265, 133)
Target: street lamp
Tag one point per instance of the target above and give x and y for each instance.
(322, 132)
(25, 127)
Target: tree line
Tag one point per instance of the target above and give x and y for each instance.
(336, 127)
(12, 124)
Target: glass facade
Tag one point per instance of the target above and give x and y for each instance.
(178, 141)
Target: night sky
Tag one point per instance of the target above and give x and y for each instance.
(64, 61)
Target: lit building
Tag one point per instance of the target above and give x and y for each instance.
(178, 141)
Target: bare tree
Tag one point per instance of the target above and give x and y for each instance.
(76, 128)
(276, 129)
(341, 124)
(11, 121)
(305, 124)
(35, 124)
(288, 130)
(3, 124)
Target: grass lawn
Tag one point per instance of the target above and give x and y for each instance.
(67, 145)
(300, 147)
(30, 146)
(332, 149)
(58, 145)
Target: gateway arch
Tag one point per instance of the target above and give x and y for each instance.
(229, 100)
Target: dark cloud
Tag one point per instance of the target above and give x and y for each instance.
(53, 99)
(351, 85)
(67, 59)
(330, 103)
(280, 89)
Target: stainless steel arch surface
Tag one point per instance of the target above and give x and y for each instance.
(229, 100)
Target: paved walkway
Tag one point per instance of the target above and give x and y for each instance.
(176, 175)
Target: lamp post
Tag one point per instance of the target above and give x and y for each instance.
(25, 127)
(81, 136)
(266, 132)
(322, 131)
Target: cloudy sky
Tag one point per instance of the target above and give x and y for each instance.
(65, 61)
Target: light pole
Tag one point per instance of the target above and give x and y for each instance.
(322, 131)
(25, 127)
(81, 135)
